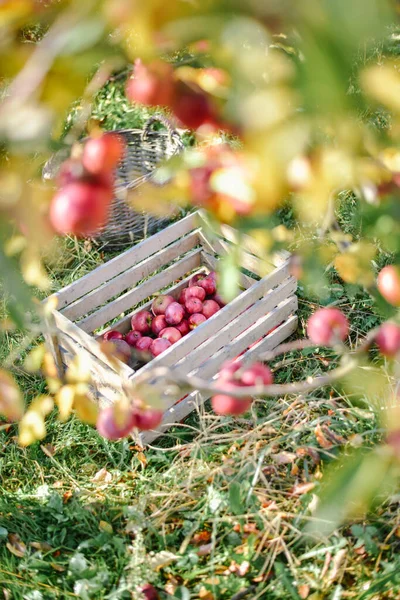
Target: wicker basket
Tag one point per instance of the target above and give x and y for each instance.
(145, 149)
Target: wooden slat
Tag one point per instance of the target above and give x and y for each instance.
(182, 409)
(124, 324)
(227, 329)
(141, 292)
(186, 345)
(124, 261)
(130, 278)
(86, 341)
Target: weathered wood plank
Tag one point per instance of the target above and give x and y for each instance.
(124, 261)
(141, 292)
(130, 278)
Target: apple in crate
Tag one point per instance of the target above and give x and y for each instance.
(210, 307)
(174, 313)
(171, 334)
(159, 323)
(142, 321)
(143, 345)
(183, 327)
(209, 285)
(193, 305)
(196, 279)
(183, 296)
(113, 335)
(195, 292)
(122, 350)
(161, 303)
(132, 337)
(159, 346)
(196, 320)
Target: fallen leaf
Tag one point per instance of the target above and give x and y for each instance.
(15, 545)
(57, 567)
(202, 537)
(205, 549)
(104, 526)
(309, 451)
(304, 591)
(321, 439)
(67, 496)
(284, 458)
(205, 594)
(142, 459)
(48, 449)
(302, 488)
(42, 546)
(102, 476)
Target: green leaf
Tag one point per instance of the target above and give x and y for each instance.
(352, 488)
(286, 582)
(235, 499)
(229, 275)
(83, 36)
(18, 298)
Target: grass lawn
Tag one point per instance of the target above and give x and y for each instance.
(217, 509)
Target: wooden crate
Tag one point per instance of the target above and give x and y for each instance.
(107, 298)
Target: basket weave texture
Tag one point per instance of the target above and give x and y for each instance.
(145, 149)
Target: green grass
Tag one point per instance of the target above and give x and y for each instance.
(221, 496)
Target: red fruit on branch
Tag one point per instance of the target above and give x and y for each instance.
(152, 85)
(70, 171)
(159, 346)
(174, 313)
(113, 335)
(142, 321)
(327, 326)
(132, 338)
(171, 334)
(388, 339)
(159, 323)
(196, 320)
(193, 107)
(389, 284)
(146, 419)
(103, 153)
(161, 303)
(210, 307)
(108, 427)
(257, 374)
(195, 291)
(224, 404)
(193, 305)
(80, 208)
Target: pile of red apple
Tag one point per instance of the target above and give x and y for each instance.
(169, 320)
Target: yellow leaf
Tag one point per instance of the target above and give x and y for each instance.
(79, 369)
(15, 245)
(65, 401)
(382, 82)
(33, 361)
(142, 459)
(11, 401)
(86, 409)
(31, 428)
(104, 526)
(33, 271)
(355, 266)
(102, 476)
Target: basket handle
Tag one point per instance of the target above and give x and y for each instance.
(159, 119)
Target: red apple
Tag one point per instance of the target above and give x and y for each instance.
(183, 327)
(159, 346)
(192, 106)
(256, 374)
(113, 335)
(70, 171)
(196, 320)
(223, 404)
(183, 296)
(147, 418)
(389, 284)
(196, 279)
(122, 350)
(147, 590)
(132, 338)
(218, 298)
(159, 323)
(80, 208)
(195, 291)
(210, 307)
(103, 153)
(327, 326)
(209, 285)
(388, 339)
(142, 321)
(174, 313)
(193, 305)
(171, 334)
(152, 84)
(108, 427)
(161, 303)
(144, 343)
(229, 370)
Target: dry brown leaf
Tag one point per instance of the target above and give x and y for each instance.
(142, 459)
(205, 594)
(15, 545)
(202, 537)
(321, 439)
(309, 451)
(102, 476)
(304, 591)
(302, 488)
(57, 567)
(284, 458)
(48, 449)
(42, 546)
(67, 496)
